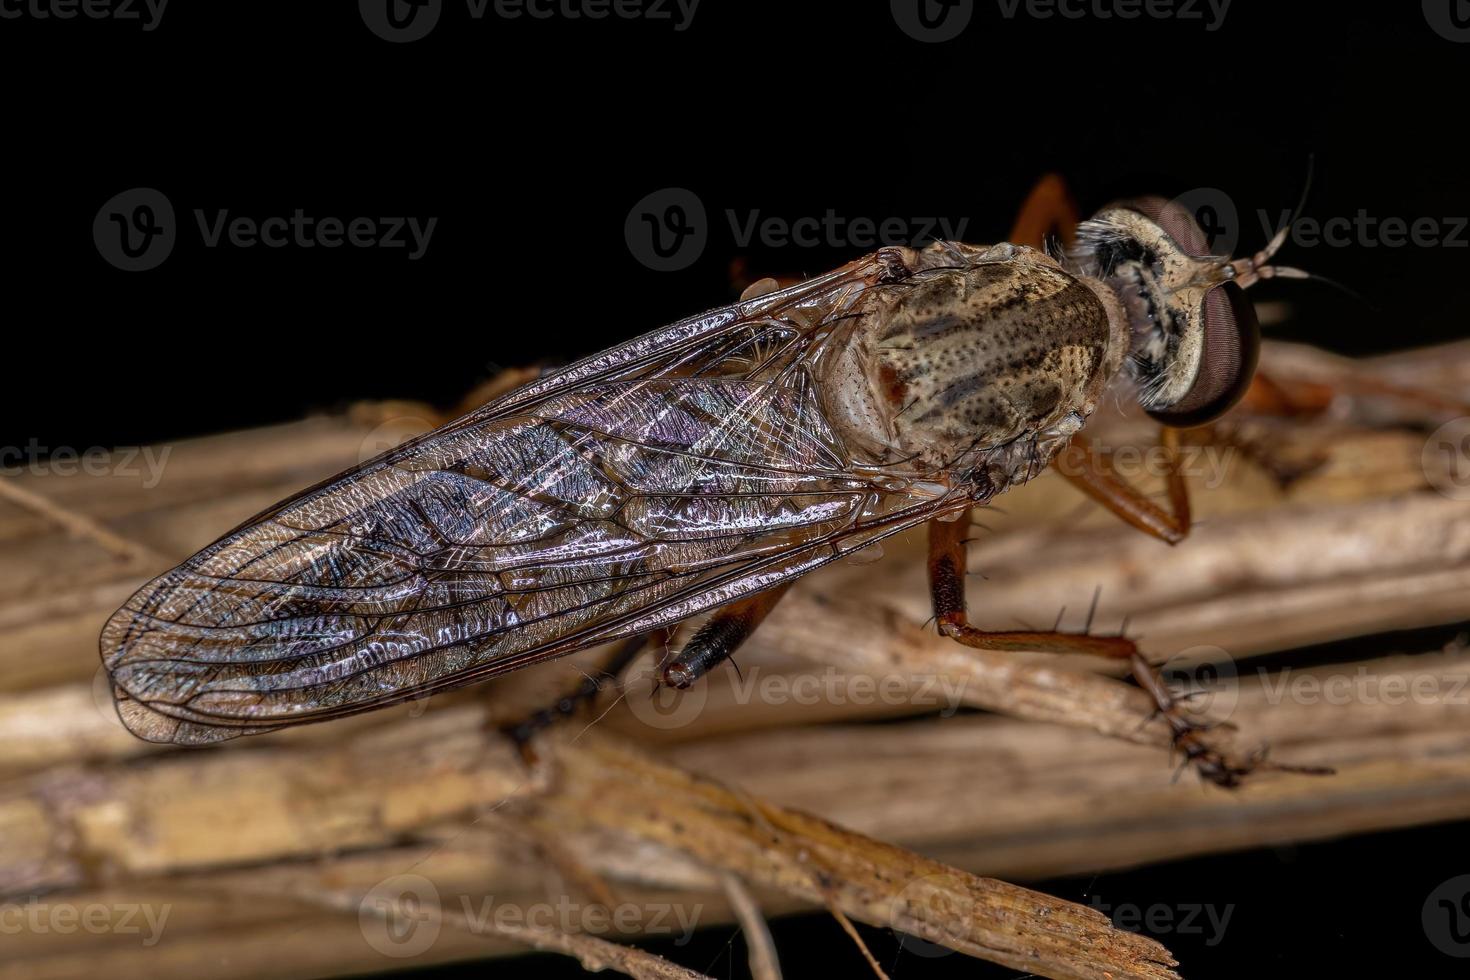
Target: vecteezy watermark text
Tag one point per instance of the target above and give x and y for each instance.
(836, 231)
(668, 229)
(669, 708)
(1364, 230)
(401, 21)
(146, 12)
(305, 231)
(679, 13)
(130, 461)
(98, 918)
(935, 21)
(136, 230)
(1210, 465)
(1208, 681)
(1210, 12)
(1363, 686)
(832, 686)
(1220, 220)
(1162, 919)
(401, 916)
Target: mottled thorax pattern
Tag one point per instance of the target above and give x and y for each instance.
(982, 359)
(990, 355)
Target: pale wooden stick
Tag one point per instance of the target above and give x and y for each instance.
(1362, 544)
(764, 963)
(593, 953)
(77, 525)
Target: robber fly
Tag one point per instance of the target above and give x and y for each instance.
(703, 466)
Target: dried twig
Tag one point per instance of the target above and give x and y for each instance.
(764, 963)
(593, 953)
(87, 814)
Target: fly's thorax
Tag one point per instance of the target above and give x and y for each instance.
(1001, 347)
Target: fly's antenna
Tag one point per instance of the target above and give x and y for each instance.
(1246, 272)
(1253, 269)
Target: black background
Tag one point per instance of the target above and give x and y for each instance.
(530, 141)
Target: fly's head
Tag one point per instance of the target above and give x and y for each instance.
(1194, 337)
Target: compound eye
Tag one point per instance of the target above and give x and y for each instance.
(1176, 221)
(1232, 337)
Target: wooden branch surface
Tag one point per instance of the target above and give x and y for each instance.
(1361, 545)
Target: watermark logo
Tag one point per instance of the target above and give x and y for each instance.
(135, 230)
(400, 21)
(1446, 459)
(1216, 215)
(660, 706)
(148, 13)
(667, 230)
(1450, 19)
(1163, 919)
(390, 434)
(1204, 681)
(932, 21)
(941, 902)
(1446, 917)
(399, 917)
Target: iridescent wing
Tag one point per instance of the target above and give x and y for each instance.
(634, 489)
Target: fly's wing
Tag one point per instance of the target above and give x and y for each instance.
(634, 489)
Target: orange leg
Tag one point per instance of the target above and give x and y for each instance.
(947, 566)
(1271, 401)
(1268, 396)
(947, 585)
(1047, 210)
(1091, 470)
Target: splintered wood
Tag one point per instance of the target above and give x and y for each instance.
(419, 835)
